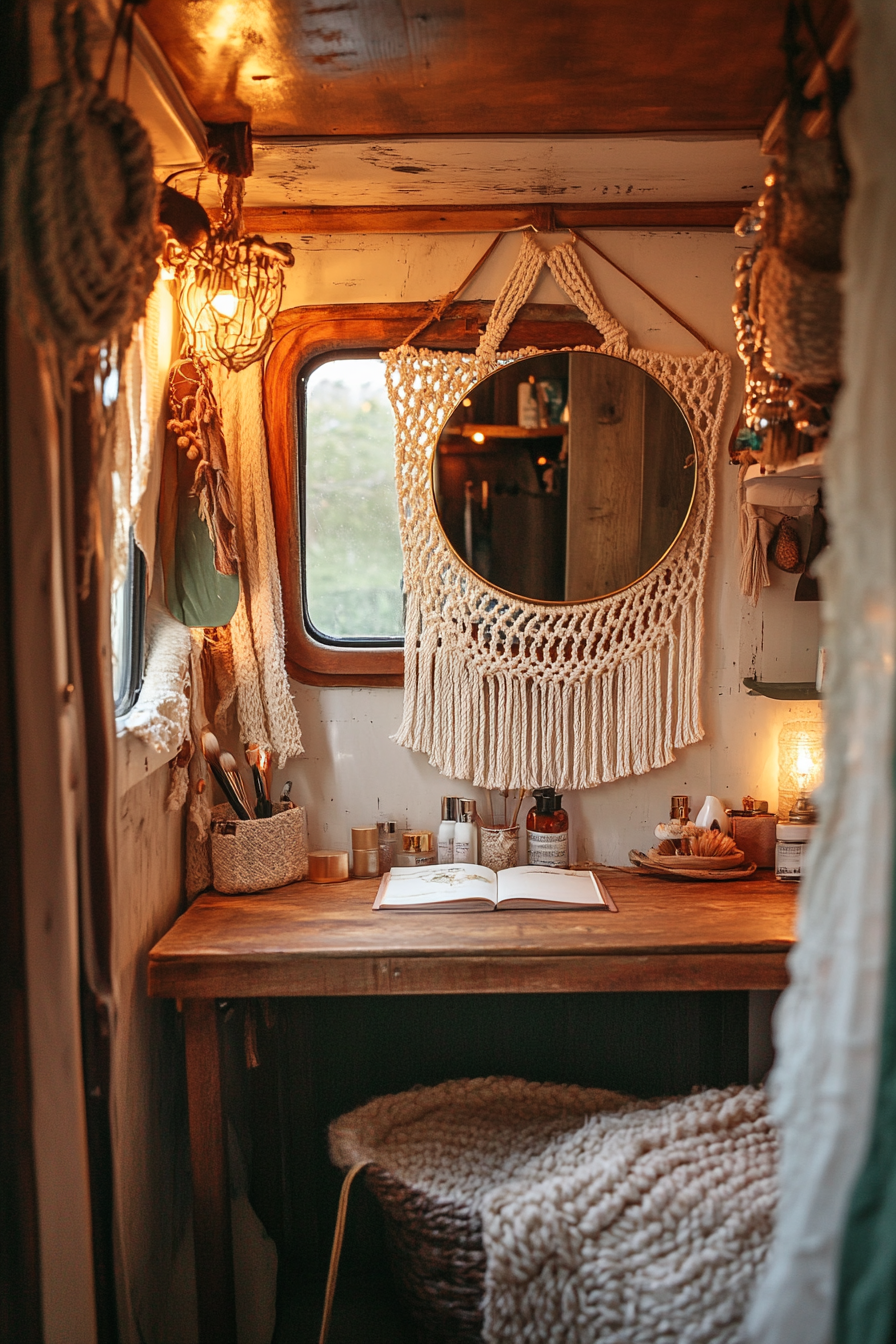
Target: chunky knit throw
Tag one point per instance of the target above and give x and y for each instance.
(602, 1219)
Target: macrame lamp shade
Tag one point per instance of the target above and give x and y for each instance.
(229, 295)
(800, 764)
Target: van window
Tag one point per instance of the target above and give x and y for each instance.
(128, 619)
(351, 549)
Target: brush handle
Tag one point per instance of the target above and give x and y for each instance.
(262, 801)
(229, 791)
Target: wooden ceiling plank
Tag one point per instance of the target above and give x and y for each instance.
(320, 219)
(386, 67)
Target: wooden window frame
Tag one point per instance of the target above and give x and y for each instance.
(305, 334)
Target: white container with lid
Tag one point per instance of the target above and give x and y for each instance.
(791, 838)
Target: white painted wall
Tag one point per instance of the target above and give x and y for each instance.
(353, 773)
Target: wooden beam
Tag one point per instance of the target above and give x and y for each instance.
(491, 218)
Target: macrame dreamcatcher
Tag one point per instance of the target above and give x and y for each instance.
(509, 693)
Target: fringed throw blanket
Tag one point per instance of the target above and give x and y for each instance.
(603, 1220)
(509, 693)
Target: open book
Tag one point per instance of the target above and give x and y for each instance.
(467, 886)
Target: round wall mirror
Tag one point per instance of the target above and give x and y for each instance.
(564, 476)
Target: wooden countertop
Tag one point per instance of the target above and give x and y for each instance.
(312, 939)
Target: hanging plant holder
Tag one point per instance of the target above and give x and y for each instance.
(231, 287)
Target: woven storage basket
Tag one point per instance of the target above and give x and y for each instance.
(432, 1153)
(526, 1211)
(259, 854)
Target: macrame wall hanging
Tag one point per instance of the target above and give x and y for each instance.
(510, 693)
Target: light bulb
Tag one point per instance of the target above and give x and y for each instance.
(804, 765)
(478, 437)
(225, 302)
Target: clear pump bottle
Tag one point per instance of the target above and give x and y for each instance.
(466, 838)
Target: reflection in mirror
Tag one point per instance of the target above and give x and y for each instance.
(564, 476)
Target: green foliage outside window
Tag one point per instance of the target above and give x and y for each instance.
(352, 547)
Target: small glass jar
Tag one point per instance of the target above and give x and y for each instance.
(791, 839)
(388, 844)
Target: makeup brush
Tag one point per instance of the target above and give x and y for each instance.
(229, 766)
(212, 753)
(266, 766)
(516, 811)
(262, 801)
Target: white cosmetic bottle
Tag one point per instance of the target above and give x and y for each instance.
(445, 840)
(466, 848)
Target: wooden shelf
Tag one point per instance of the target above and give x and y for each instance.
(783, 690)
(506, 431)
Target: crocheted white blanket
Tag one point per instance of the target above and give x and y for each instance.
(642, 1223)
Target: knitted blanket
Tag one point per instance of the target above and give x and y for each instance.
(603, 1219)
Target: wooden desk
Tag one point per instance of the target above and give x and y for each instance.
(325, 940)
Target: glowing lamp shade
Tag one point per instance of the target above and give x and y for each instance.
(800, 763)
(229, 295)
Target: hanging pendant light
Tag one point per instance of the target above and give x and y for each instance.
(230, 288)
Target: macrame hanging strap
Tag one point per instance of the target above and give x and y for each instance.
(570, 276)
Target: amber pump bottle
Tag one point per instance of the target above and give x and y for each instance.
(547, 831)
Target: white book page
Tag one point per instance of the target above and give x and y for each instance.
(440, 882)
(535, 883)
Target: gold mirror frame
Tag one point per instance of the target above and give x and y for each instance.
(562, 602)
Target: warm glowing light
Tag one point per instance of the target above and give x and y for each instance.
(800, 763)
(467, 401)
(166, 272)
(224, 20)
(225, 302)
(478, 437)
(542, 461)
(805, 766)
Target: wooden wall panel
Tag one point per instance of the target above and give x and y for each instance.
(606, 449)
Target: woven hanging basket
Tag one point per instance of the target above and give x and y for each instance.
(81, 240)
(799, 310)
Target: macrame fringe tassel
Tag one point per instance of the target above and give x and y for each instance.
(505, 732)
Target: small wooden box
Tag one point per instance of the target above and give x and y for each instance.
(756, 837)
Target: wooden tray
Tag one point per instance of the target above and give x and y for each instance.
(690, 861)
(647, 866)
